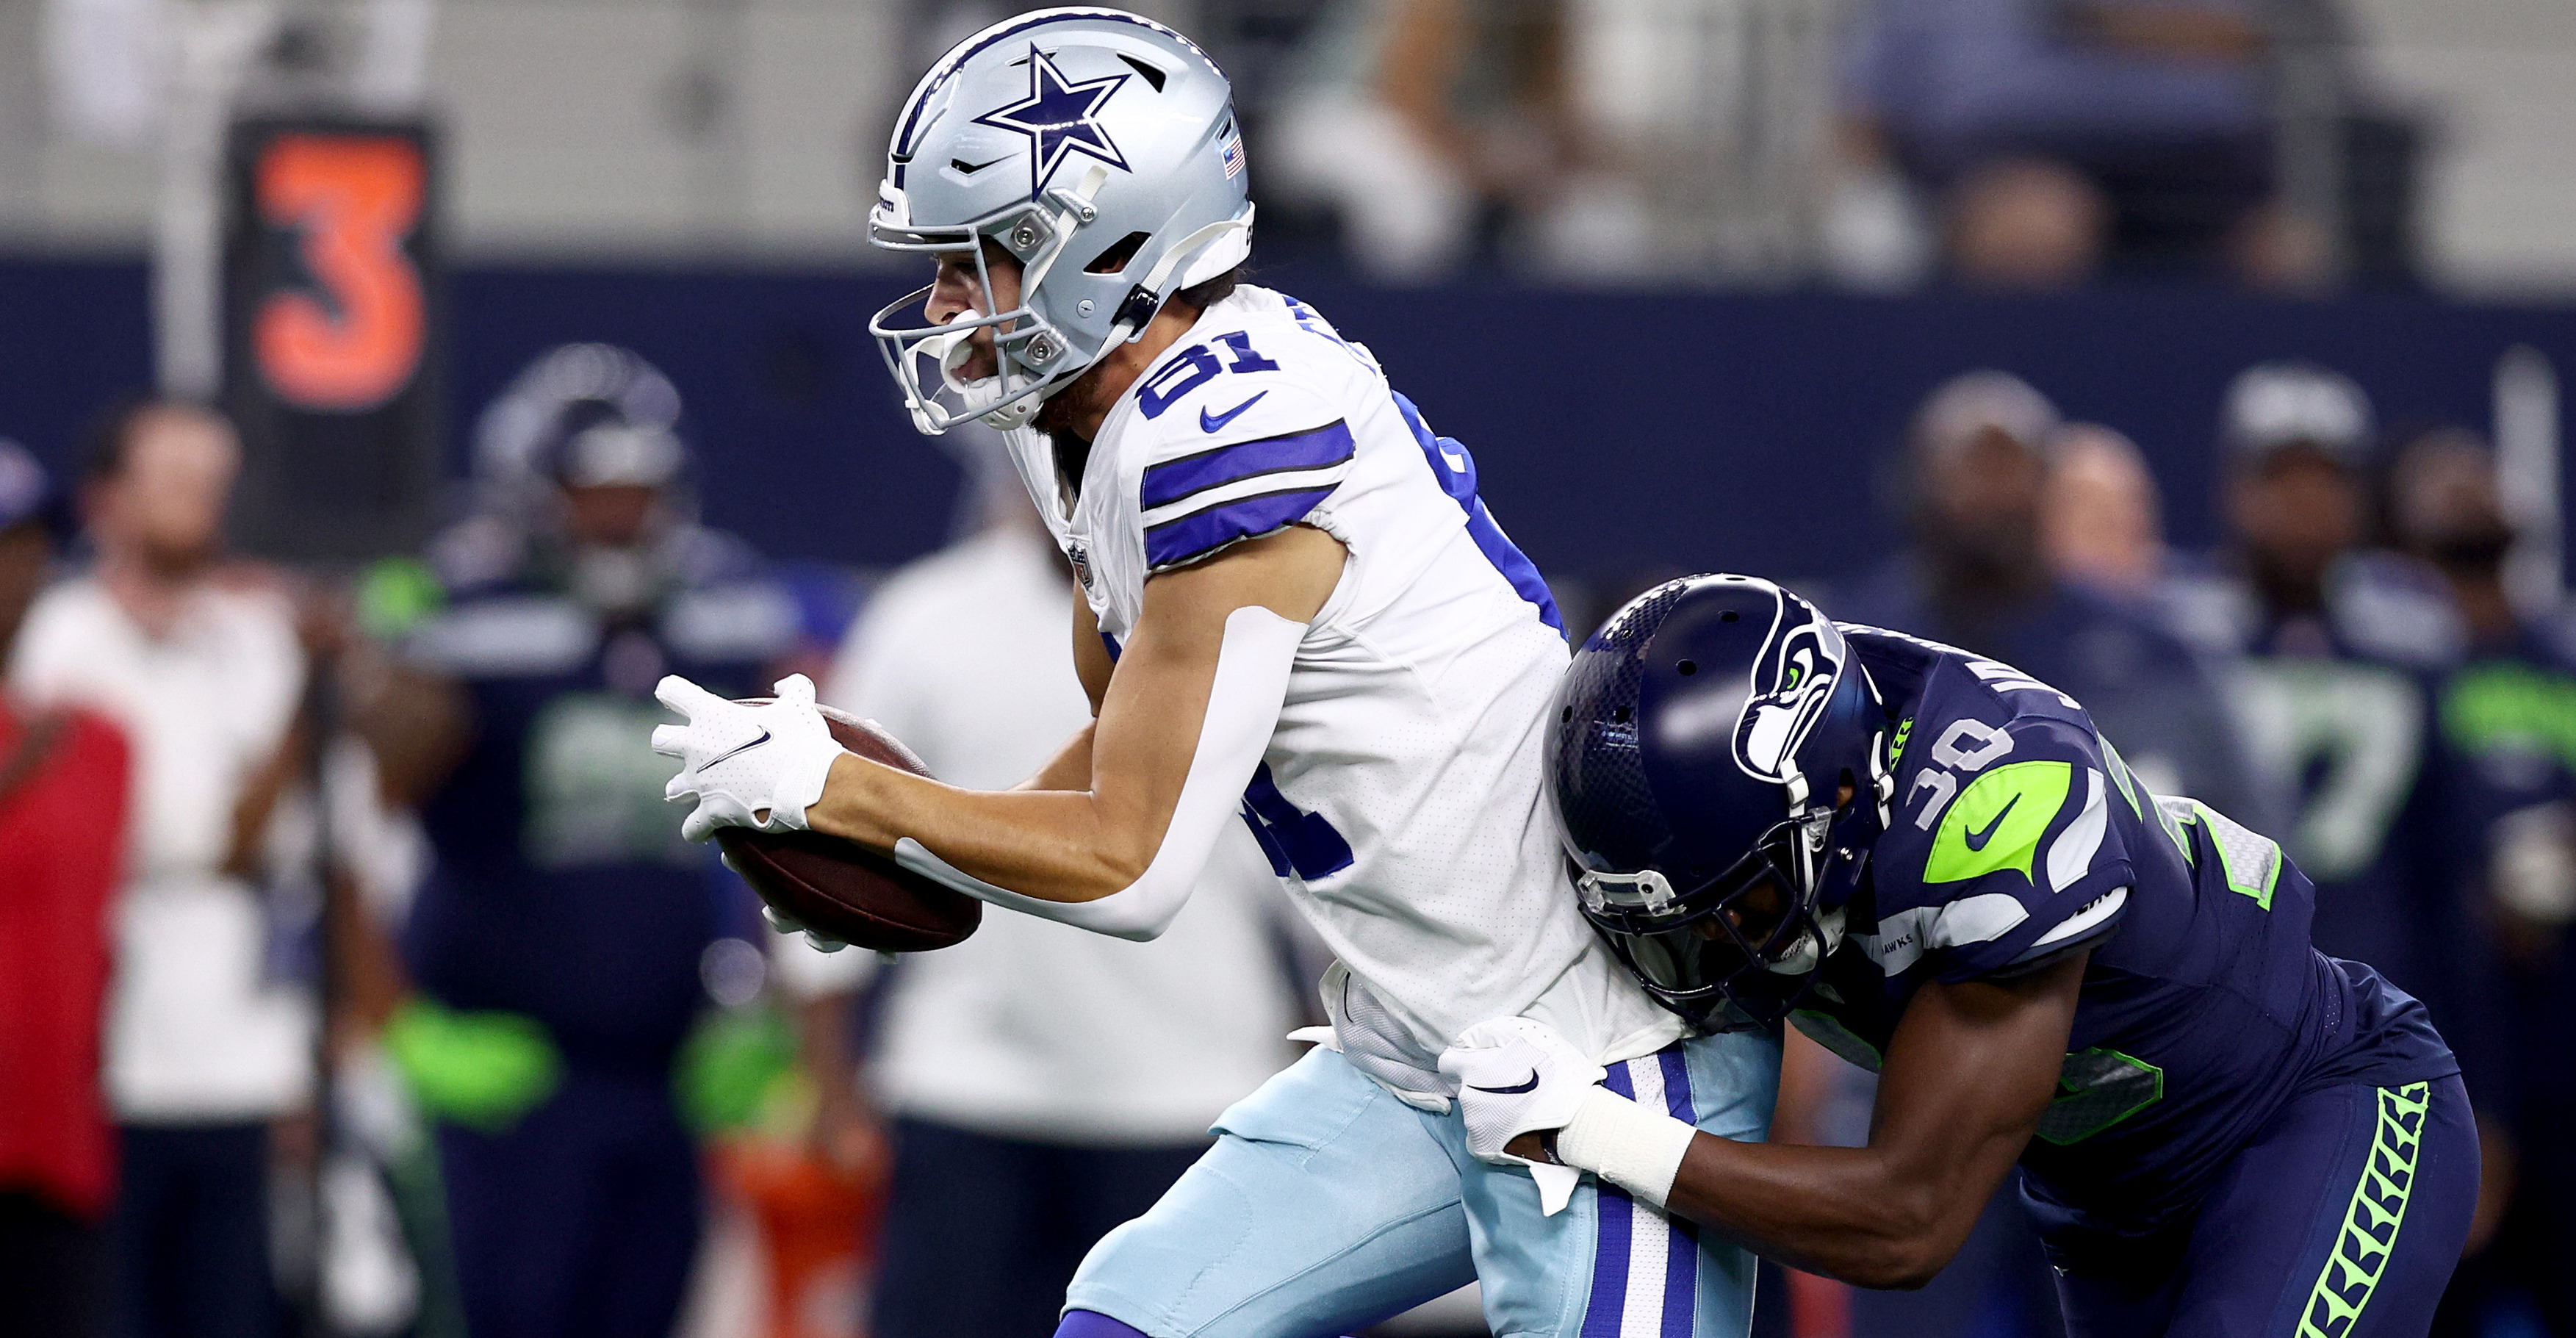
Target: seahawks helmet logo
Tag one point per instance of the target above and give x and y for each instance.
(1060, 118)
(1794, 678)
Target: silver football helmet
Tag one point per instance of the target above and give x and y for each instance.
(1100, 150)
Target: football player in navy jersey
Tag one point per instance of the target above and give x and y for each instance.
(2337, 648)
(1934, 865)
(2506, 718)
(571, 1182)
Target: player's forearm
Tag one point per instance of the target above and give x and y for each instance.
(1850, 1213)
(1054, 845)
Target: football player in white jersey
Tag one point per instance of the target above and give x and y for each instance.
(1296, 614)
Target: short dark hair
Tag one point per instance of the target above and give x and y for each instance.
(1209, 292)
(110, 440)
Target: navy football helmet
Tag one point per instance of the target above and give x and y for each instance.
(1702, 740)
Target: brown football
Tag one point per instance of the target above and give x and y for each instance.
(844, 889)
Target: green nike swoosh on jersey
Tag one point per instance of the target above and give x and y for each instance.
(1997, 821)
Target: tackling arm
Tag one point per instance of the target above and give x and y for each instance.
(1969, 1072)
(1183, 722)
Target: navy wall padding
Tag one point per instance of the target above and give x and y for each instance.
(1616, 432)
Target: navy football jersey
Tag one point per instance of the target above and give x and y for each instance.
(2508, 723)
(2336, 706)
(561, 888)
(2018, 836)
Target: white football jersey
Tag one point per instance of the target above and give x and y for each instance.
(1400, 798)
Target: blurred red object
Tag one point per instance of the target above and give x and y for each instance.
(818, 1226)
(62, 820)
(1818, 1307)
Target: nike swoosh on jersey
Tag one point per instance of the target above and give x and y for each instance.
(736, 751)
(1214, 422)
(1977, 839)
(1530, 1086)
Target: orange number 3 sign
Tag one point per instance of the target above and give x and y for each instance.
(352, 200)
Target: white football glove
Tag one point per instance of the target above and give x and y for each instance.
(740, 760)
(1516, 1075)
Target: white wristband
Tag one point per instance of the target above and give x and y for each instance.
(1637, 1148)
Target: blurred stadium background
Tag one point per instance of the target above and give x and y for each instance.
(1681, 272)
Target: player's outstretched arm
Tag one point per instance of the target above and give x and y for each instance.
(1183, 722)
(1969, 1072)
(1971, 1069)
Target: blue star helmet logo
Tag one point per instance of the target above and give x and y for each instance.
(1058, 117)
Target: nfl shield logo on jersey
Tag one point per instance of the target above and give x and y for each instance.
(1080, 557)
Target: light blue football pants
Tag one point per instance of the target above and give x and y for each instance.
(1327, 1205)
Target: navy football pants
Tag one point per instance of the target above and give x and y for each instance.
(191, 1232)
(2342, 1219)
(580, 1221)
(982, 1233)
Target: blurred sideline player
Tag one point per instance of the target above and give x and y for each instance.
(1045, 1084)
(64, 777)
(2340, 647)
(2338, 641)
(1983, 452)
(1296, 612)
(2509, 717)
(2101, 521)
(545, 1045)
(205, 1049)
(1938, 868)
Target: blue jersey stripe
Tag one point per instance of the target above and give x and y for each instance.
(1202, 532)
(1456, 471)
(1174, 480)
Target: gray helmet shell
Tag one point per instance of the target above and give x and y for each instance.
(1099, 149)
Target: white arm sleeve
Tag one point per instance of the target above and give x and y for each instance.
(1252, 665)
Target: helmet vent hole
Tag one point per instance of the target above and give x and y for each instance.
(1623, 715)
(1119, 253)
(1566, 717)
(1688, 667)
(1152, 75)
(1727, 617)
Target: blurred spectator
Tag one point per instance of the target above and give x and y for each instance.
(63, 800)
(2343, 645)
(558, 940)
(2509, 716)
(1981, 455)
(1425, 126)
(2062, 137)
(1983, 458)
(1046, 1084)
(2101, 522)
(204, 1049)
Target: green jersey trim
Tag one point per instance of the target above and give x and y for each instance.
(1828, 1031)
(1997, 821)
(2098, 1088)
(2371, 1221)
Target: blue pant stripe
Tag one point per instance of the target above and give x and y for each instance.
(1681, 1267)
(1617, 1220)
